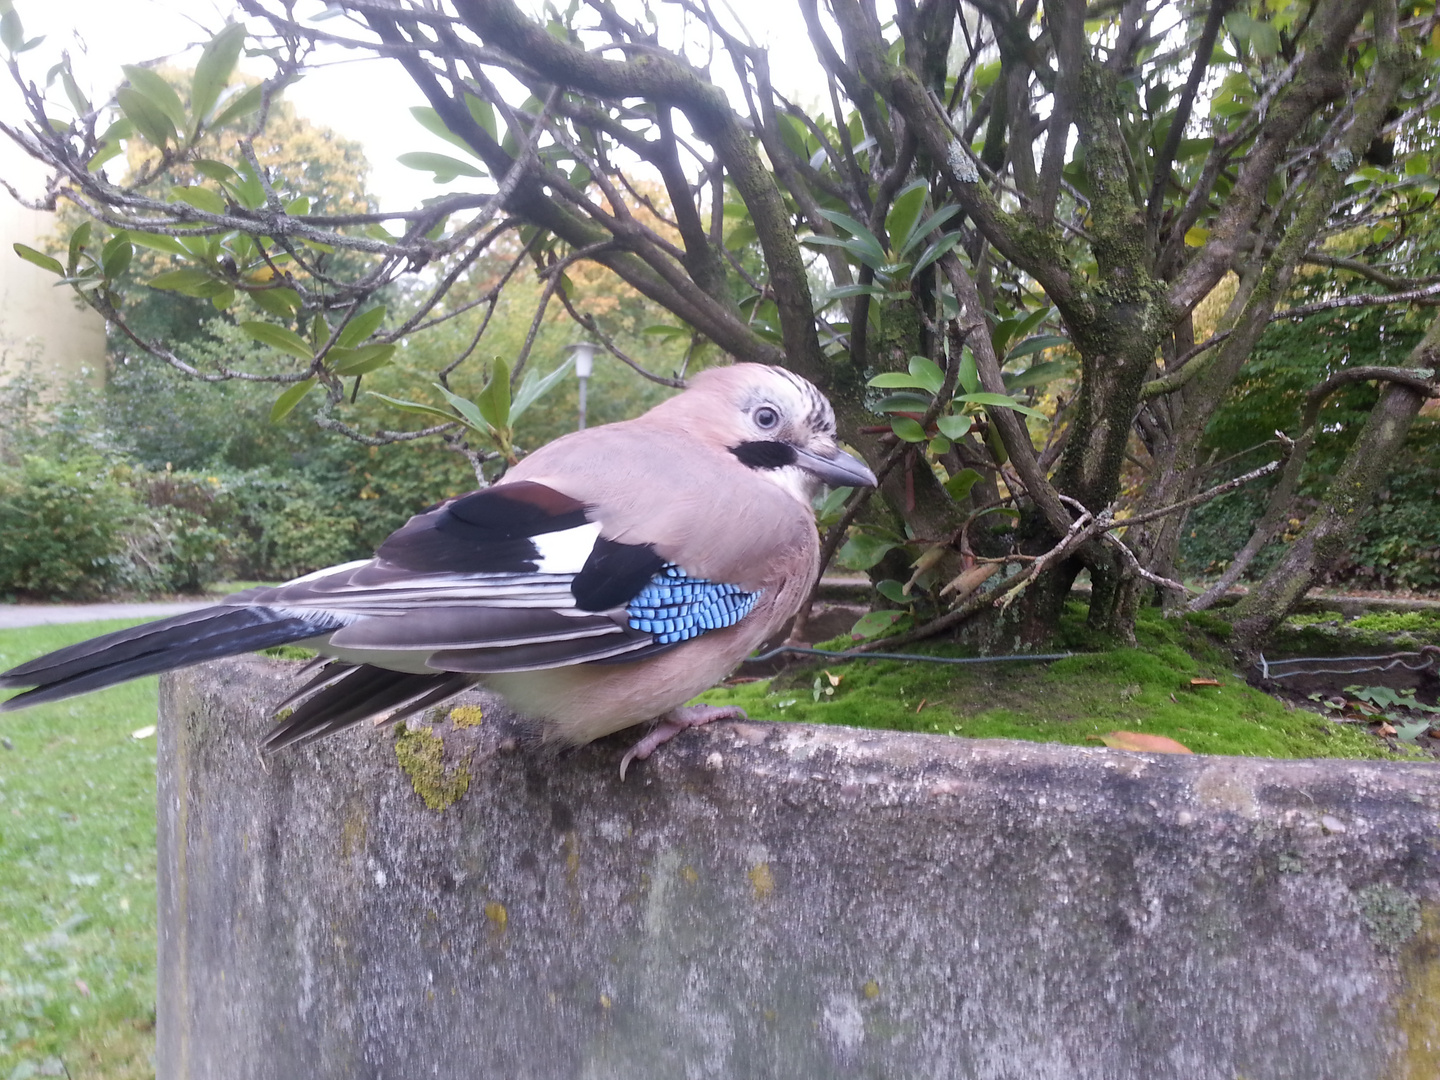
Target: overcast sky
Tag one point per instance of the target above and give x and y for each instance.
(367, 100)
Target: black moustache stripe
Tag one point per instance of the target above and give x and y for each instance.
(765, 455)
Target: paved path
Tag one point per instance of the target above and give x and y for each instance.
(13, 616)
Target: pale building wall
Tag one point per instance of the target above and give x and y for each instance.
(38, 319)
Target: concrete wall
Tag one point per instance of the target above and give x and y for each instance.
(764, 900)
(37, 319)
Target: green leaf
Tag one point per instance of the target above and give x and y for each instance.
(955, 427)
(286, 402)
(908, 429)
(222, 300)
(213, 70)
(888, 380)
(298, 206)
(875, 623)
(432, 122)
(105, 153)
(200, 198)
(927, 374)
(959, 485)
(189, 282)
(892, 590)
(928, 226)
(78, 239)
(116, 256)
(281, 302)
(159, 242)
(280, 338)
(969, 375)
(417, 408)
(444, 167)
(937, 446)
(72, 91)
(361, 327)
(483, 113)
(1038, 375)
(149, 119)
(494, 400)
(359, 361)
(935, 250)
(216, 170)
(243, 105)
(533, 388)
(467, 410)
(905, 213)
(12, 31)
(903, 403)
(999, 401)
(842, 292)
(39, 258)
(864, 239)
(159, 92)
(862, 550)
(1034, 345)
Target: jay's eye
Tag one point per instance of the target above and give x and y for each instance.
(766, 417)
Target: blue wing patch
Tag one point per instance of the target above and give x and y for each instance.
(676, 607)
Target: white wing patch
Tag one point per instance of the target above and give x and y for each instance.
(565, 552)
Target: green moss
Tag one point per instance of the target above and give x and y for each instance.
(290, 652)
(1391, 915)
(1146, 689)
(1329, 633)
(466, 716)
(421, 754)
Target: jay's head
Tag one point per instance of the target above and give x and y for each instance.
(774, 422)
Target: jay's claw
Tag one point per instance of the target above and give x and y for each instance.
(674, 722)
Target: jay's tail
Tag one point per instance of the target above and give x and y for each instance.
(176, 642)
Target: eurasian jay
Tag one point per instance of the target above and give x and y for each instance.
(608, 578)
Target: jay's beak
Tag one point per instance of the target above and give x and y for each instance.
(835, 467)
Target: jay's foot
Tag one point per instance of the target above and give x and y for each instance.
(674, 722)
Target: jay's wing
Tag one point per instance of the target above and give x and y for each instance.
(513, 578)
(517, 577)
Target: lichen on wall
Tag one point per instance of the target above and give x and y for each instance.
(421, 754)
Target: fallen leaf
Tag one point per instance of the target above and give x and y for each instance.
(144, 732)
(81, 985)
(921, 705)
(834, 679)
(1204, 682)
(1382, 728)
(1143, 744)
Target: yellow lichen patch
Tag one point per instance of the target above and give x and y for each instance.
(466, 716)
(688, 875)
(421, 754)
(762, 880)
(353, 830)
(496, 913)
(1417, 1010)
(872, 989)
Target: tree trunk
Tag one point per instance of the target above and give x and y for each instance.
(1328, 533)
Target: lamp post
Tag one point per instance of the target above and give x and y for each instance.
(584, 353)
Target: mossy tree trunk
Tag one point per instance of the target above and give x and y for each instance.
(1326, 537)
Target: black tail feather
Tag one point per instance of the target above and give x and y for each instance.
(155, 647)
(356, 693)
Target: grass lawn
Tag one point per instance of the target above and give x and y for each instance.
(77, 877)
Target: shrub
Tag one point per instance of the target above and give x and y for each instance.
(64, 524)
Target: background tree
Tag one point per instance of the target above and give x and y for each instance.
(988, 182)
